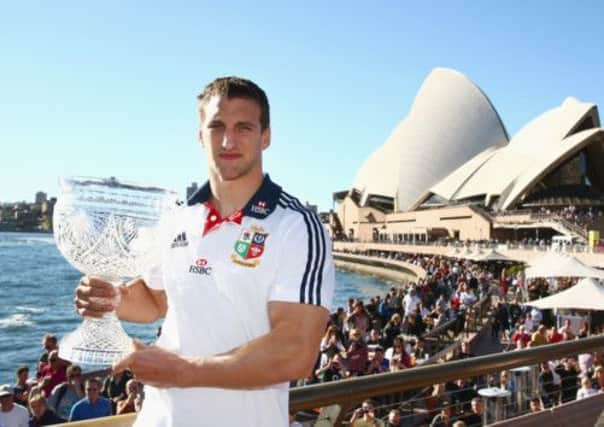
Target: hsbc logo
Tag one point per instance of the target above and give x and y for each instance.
(260, 208)
(200, 267)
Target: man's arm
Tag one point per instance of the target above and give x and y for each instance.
(288, 351)
(134, 302)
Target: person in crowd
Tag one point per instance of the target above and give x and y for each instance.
(365, 416)
(378, 364)
(443, 418)
(334, 369)
(52, 374)
(459, 423)
(93, 405)
(41, 414)
(126, 404)
(411, 301)
(331, 343)
(599, 378)
(11, 414)
(394, 419)
(359, 318)
(392, 329)
(357, 353)
(49, 342)
(586, 389)
(398, 357)
(549, 390)
(374, 339)
(568, 373)
(65, 395)
(114, 387)
(567, 330)
(465, 351)
(22, 387)
(539, 337)
(474, 418)
(554, 336)
(536, 405)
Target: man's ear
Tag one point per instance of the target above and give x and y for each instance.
(266, 138)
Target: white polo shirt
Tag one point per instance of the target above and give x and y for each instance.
(219, 277)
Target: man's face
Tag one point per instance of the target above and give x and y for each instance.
(92, 391)
(48, 344)
(394, 418)
(6, 402)
(232, 137)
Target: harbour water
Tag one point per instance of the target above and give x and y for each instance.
(36, 297)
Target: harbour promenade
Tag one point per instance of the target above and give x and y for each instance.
(515, 252)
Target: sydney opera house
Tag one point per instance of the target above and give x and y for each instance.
(450, 169)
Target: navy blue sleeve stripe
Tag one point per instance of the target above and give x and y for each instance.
(309, 255)
(310, 288)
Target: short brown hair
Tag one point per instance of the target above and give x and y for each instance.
(237, 87)
(22, 369)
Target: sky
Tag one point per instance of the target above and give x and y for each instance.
(109, 88)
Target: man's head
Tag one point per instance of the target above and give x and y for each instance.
(535, 404)
(394, 417)
(93, 389)
(234, 128)
(22, 374)
(368, 407)
(49, 342)
(477, 405)
(236, 87)
(74, 373)
(7, 394)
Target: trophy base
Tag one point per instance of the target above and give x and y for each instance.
(98, 342)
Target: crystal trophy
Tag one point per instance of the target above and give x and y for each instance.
(106, 229)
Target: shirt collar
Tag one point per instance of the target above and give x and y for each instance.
(261, 205)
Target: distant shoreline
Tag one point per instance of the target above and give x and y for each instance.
(13, 230)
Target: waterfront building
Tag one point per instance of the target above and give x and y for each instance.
(41, 197)
(450, 170)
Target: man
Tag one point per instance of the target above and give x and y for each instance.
(21, 388)
(474, 418)
(93, 405)
(357, 354)
(52, 374)
(11, 413)
(251, 262)
(365, 416)
(49, 342)
(65, 395)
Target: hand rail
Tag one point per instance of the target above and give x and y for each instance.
(357, 389)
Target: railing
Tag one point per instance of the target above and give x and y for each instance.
(350, 392)
(355, 390)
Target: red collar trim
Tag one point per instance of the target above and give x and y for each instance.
(213, 218)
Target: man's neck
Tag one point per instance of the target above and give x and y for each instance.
(230, 196)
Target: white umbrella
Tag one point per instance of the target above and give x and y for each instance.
(493, 255)
(555, 264)
(588, 294)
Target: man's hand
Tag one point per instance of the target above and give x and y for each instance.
(95, 297)
(154, 366)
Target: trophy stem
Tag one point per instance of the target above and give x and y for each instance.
(98, 342)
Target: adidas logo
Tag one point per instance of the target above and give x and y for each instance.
(180, 241)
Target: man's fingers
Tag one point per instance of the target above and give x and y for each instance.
(123, 364)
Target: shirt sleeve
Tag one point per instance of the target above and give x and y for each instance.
(305, 273)
(152, 265)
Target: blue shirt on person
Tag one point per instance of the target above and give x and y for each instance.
(84, 409)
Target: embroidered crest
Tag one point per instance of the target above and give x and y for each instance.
(250, 247)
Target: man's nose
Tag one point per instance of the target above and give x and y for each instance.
(228, 141)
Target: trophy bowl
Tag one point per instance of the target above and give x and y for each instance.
(106, 229)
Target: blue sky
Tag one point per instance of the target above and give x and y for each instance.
(108, 88)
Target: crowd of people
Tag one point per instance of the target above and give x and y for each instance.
(382, 334)
(57, 393)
